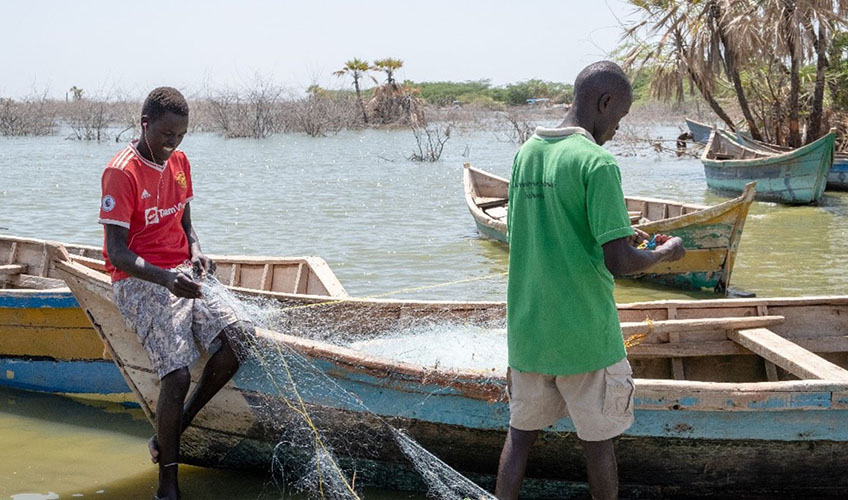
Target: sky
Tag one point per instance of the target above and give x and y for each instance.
(105, 47)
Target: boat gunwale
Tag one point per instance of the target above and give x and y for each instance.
(476, 385)
(766, 158)
(478, 213)
(703, 211)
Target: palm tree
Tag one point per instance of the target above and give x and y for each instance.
(763, 42)
(670, 40)
(388, 66)
(76, 93)
(799, 30)
(357, 69)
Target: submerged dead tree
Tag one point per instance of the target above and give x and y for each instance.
(430, 141)
(30, 116)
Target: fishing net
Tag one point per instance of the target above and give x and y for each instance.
(328, 442)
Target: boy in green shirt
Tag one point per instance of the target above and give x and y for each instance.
(569, 233)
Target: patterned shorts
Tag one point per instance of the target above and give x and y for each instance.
(167, 325)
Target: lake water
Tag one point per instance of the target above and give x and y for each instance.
(383, 223)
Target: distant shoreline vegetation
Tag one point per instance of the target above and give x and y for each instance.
(262, 108)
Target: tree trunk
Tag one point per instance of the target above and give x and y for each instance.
(359, 99)
(794, 76)
(708, 96)
(814, 127)
(733, 76)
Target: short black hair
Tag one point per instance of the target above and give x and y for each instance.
(162, 99)
(599, 78)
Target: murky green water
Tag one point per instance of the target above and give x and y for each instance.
(383, 224)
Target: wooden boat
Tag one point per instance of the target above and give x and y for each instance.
(711, 235)
(730, 396)
(700, 131)
(793, 177)
(47, 343)
(837, 177)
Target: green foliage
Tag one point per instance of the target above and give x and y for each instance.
(482, 91)
(445, 93)
(837, 73)
(518, 93)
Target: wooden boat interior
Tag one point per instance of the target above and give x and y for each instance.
(26, 265)
(723, 146)
(724, 340)
(489, 192)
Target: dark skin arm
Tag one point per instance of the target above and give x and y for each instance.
(621, 258)
(179, 283)
(202, 264)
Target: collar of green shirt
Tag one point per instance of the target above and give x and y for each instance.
(559, 133)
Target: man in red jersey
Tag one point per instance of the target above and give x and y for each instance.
(151, 250)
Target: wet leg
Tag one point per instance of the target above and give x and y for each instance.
(218, 371)
(169, 416)
(513, 463)
(601, 468)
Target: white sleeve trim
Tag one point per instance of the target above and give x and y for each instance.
(114, 222)
(189, 199)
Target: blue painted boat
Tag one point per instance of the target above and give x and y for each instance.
(794, 177)
(47, 343)
(837, 177)
(730, 396)
(700, 131)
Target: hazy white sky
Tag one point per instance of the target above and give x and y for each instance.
(200, 44)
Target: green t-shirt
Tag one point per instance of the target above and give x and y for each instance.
(565, 202)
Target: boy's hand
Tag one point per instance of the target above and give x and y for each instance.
(202, 265)
(181, 285)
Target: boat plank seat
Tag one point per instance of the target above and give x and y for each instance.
(497, 212)
(663, 329)
(10, 269)
(635, 217)
(485, 203)
(29, 281)
(788, 355)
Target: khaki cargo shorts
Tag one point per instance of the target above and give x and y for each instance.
(167, 325)
(600, 403)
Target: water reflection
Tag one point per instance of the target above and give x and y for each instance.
(58, 447)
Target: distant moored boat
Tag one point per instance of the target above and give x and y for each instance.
(700, 131)
(837, 177)
(796, 177)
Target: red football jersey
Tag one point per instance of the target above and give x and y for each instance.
(149, 200)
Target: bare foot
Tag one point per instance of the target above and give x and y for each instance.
(153, 446)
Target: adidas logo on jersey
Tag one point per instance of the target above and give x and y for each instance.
(145, 195)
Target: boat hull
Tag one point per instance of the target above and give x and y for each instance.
(711, 235)
(837, 178)
(795, 177)
(690, 438)
(700, 131)
(47, 344)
